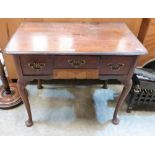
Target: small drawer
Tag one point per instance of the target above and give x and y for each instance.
(75, 62)
(36, 64)
(116, 64)
(75, 74)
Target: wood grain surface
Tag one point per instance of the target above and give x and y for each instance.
(74, 38)
(10, 25)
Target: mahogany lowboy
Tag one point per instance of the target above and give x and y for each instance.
(96, 51)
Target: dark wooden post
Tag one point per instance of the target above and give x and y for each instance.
(39, 86)
(4, 79)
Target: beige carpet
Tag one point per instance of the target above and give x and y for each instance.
(74, 110)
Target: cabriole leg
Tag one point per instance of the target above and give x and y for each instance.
(39, 86)
(126, 89)
(23, 94)
(105, 85)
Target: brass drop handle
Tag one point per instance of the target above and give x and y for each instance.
(36, 66)
(115, 66)
(76, 63)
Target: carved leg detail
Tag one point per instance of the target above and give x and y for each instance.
(126, 89)
(23, 94)
(39, 86)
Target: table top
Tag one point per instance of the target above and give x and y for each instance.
(74, 38)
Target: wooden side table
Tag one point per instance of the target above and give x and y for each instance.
(80, 51)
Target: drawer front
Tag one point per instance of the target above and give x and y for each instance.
(116, 64)
(36, 64)
(75, 62)
(75, 74)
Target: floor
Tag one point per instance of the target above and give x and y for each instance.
(75, 110)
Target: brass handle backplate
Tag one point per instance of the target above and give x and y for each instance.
(76, 63)
(36, 66)
(115, 66)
